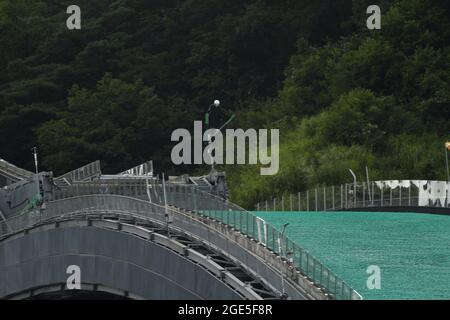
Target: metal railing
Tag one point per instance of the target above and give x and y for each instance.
(13, 171)
(377, 194)
(143, 169)
(86, 172)
(200, 204)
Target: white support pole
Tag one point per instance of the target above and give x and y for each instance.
(368, 184)
(354, 185)
(35, 155)
(166, 208)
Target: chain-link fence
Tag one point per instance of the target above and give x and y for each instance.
(376, 194)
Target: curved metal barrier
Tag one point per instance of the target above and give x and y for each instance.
(161, 268)
(107, 206)
(202, 204)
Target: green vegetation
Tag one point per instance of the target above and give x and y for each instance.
(341, 95)
(379, 99)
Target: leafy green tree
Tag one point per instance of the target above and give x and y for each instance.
(117, 122)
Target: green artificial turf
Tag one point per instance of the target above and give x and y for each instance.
(411, 249)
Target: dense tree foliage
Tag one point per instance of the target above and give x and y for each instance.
(188, 52)
(378, 99)
(343, 96)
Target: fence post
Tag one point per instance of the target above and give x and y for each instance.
(246, 223)
(274, 204)
(240, 220)
(373, 193)
(307, 200)
(346, 197)
(291, 201)
(314, 271)
(332, 197)
(257, 206)
(267, 205)
(409, 194)
(390, 201)
(364, 194)
(328, 279)
(400, 194)
(282, 203)
(307, 264)
(299, 202)
(315, 197)
(324, 198)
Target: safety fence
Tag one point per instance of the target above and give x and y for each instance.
(86, 172)
(188, 198)
(395, 193)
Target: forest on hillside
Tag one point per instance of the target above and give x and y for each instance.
(342, 96)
